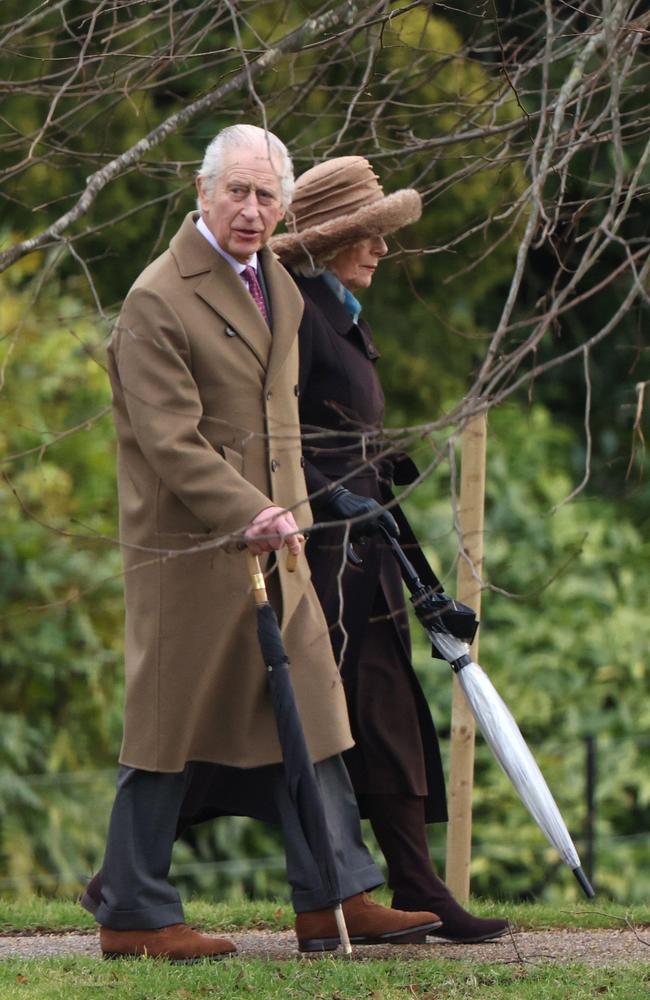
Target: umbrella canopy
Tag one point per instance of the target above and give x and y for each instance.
(302, 785)
(451, 626)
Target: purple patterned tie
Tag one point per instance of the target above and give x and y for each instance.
(250, 276)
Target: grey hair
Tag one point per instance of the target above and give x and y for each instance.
(307, 270)
(234, 137)
(313, 268)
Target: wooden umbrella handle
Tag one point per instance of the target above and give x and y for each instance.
(257, 577)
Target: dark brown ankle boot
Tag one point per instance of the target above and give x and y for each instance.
(457, 924)
(399, 825)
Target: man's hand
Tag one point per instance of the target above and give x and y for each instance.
(272, 528)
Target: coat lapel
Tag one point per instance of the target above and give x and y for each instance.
(323, 296)
(227, 294)
(221, 288)
(287, 309)
(337, 315)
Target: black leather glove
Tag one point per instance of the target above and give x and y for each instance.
(342, 505)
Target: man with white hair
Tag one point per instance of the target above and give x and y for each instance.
(204, 370)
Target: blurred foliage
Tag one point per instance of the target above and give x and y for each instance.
(60, 592)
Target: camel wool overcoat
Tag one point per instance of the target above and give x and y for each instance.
(205, 402)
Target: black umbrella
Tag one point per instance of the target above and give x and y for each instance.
(299, 770)
(451, 626)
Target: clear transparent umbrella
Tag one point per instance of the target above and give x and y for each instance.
(451, 626)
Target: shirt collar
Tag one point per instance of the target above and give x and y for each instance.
(236, 264)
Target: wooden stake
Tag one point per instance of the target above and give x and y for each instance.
(461, 772)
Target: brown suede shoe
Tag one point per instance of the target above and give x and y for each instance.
(367, 923)
(177, 942)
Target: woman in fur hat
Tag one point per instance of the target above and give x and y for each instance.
(339, 218)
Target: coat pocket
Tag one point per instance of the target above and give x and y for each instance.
(233, 458)
(182, 541)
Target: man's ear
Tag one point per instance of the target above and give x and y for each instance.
(199, 189)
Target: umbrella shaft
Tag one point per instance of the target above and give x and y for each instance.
(409, 573)
(454, 650)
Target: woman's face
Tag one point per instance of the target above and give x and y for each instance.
(356, 265)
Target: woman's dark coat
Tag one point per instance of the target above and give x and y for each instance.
(397, 748)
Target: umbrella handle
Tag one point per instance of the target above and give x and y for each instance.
(257, 577)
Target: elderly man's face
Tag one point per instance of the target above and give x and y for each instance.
(245, 205)
(355, 266)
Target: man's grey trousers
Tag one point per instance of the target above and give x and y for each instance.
(150, 806)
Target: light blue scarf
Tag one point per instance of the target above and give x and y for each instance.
(343, 294)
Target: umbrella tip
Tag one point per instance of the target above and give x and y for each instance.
(343, 931)
(584, 882)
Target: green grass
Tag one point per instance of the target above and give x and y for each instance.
(35, 913)
(323, 979)
(365, 978)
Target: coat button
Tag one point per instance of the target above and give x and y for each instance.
(269, 394)
(296, 390)
(274, 465)
(302, 462)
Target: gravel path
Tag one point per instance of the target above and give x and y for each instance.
(590, 947)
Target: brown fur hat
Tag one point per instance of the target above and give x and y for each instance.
(337, 203)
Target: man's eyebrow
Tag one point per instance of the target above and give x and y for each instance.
(260, 189)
